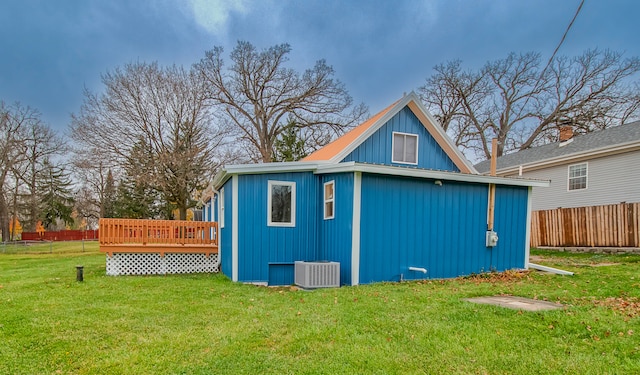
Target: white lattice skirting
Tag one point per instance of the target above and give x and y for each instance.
(155, 264)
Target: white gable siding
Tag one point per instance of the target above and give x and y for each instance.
(610, 180)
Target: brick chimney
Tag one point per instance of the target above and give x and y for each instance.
(566, 133)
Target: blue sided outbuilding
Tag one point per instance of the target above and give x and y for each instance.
(391, 200)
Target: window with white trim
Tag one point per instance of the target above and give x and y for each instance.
(281, 204)
(577, 176)
(404, 148)
(221, 211)
(329, 199)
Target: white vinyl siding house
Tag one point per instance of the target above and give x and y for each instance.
(611, 180)
(577, 179)
(594, 169)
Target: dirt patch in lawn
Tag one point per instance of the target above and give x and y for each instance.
(604, 264)
(540, 259)
(516, 303)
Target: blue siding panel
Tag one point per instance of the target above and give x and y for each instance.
(404, 222)
(281, 274)
(225, 233)
(377, 148)
(412, 222)
(335, 234)
(259, 244)
(511, 225)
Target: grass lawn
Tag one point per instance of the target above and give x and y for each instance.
(204, 324)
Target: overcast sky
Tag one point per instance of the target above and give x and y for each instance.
(51, 50)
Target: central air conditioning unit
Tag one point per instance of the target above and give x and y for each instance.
(311, 275)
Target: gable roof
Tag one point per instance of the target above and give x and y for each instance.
(330, 150)
(609, 141)
(344, 145)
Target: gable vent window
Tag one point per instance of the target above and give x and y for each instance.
(578, 176)
(281, 202)
(405, 148)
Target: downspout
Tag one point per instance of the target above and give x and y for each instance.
(491, 236)
(549, 269)
(492, 187)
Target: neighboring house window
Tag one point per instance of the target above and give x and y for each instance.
(405, 148)
(281, 204)
(221, 212)
(578, 176)
(329, 200)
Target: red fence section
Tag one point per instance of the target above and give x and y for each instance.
(61, 235)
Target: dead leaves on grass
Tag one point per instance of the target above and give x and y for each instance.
(498, 277)
(628, 307)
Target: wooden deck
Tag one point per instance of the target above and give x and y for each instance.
(158, 236)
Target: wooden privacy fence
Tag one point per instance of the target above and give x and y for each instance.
(158, 236)
(616, 225)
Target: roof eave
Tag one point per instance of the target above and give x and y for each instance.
(431, 174)
(280, 167)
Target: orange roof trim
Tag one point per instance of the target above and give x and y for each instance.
(331, 150)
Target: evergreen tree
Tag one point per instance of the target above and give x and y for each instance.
(57, 197)
(135, 199)
(108, 208)
(290, 145)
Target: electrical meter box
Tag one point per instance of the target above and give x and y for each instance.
(492, 238)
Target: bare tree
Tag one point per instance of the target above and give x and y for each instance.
(259, 95)
(158, 121)
(521, 103)
(41, 143)
(456, 99)
(13, 121)
(91, 168)
(26, 143)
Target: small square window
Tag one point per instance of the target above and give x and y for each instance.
(281, 202)
(578, 176)
(329, 200)
(405, 148)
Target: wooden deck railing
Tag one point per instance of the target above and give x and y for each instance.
(153, 236)
(616, 225)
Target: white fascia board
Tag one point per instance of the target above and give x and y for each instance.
(264, 168)
(292, 166)
(207, 194)
(570, 158)
(219, 179)
(431, 174)
(438, 127)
